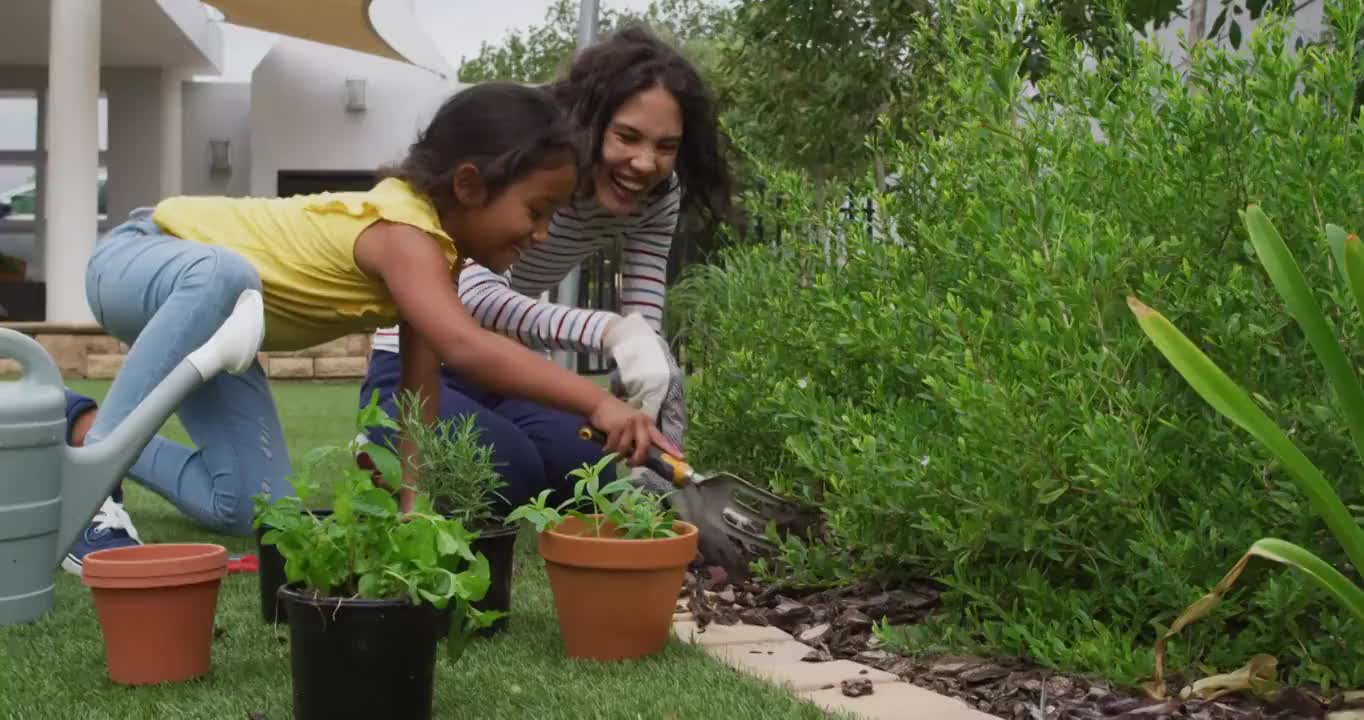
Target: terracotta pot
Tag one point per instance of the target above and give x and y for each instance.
(614, 597)
(156, 605)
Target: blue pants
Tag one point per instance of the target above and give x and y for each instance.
(165, 297)
(534, 447)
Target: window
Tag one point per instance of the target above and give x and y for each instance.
(18, 120)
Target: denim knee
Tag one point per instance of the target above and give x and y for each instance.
(231, 516)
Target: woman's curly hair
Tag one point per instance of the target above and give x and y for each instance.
(607, 74)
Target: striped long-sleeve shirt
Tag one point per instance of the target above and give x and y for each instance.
(509, 303)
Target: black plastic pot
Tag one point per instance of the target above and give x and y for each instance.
(360, 658)
(498, 544)
(270, 571)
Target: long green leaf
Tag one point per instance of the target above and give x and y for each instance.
(1288, 279)
(1349, 252)
(1233, 403)
(1328, 578)
(1331, 580)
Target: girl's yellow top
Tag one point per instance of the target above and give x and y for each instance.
(304, 249)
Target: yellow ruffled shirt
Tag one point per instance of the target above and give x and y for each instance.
(304, 249)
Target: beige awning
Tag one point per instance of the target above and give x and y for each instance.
(349, 24)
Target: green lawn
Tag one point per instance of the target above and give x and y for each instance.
(54, 668)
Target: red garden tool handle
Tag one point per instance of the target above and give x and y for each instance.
(676, 471)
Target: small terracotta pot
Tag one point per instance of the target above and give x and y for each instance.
(156, 605)
(615, 597)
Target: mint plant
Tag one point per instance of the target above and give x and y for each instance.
(624, 508)
(456, 470)
(368, 548)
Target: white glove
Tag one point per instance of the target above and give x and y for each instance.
(642, 360)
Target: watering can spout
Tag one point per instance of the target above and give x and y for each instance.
(90, 472)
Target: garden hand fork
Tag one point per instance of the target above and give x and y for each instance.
(723, 505)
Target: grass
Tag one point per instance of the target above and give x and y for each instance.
(54, 668)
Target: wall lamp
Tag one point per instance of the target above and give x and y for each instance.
(355, 94)
(220, 160)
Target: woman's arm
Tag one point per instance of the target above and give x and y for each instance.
(541, 325)
(411, 265)
(644, 259)
(420, 373)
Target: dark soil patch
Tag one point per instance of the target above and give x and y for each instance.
(837, 624)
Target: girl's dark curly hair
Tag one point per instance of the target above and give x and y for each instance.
(507, 130)
(607, 74)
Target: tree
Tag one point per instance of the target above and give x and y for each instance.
(538, 53)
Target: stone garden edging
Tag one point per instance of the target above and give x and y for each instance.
(86, 352)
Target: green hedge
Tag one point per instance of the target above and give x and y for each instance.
(978, 404)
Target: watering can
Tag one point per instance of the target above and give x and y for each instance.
(50, 490)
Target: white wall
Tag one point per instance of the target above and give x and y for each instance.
(134, 156)
(1307, 23)
(216, 110)
(299, 120)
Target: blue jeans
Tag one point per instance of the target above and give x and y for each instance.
(165, 297)
(534, 447)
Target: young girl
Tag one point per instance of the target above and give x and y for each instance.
(482, 182)
(656, 150)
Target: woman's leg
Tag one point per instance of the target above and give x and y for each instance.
(553, 433)
(514, 456)
(165, 297)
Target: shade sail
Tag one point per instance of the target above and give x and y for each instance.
(386, 28)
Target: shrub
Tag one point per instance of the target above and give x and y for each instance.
(975, 403)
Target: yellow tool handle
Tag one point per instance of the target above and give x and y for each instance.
(676, 471)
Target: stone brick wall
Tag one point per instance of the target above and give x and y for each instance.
(84, 351)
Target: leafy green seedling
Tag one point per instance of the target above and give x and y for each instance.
(632, 512)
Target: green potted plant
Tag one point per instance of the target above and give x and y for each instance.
(367, 588)
(456, 471)
(616, 569)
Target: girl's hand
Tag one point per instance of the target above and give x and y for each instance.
(629, 431)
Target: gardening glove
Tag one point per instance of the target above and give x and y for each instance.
(671, 418)
(642, 361)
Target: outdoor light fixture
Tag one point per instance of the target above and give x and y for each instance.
(355, 94)
(219, 160)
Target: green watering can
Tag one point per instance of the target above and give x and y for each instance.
(50, 490)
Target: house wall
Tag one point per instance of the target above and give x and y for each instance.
(1308, 23)
(216, 110)
(299, 120)
(134, 155)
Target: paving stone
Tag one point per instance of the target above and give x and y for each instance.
(816, 676)
(897, 701)
(760, 656)
(728, 634)
(103, 367)
(340, 367)
(67, 351)
(290, 367)
(358, 344)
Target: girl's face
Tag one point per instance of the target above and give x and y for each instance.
(495, 234)
(639, 149)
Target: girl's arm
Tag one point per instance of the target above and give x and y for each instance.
(420, 373)
(416, 272)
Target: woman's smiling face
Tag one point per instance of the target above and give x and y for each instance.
(639, 149)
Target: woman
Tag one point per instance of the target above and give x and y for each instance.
(655, 142)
